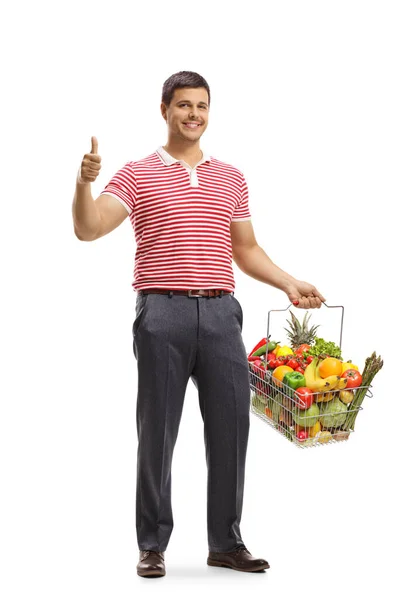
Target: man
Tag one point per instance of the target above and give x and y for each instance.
(190, 215)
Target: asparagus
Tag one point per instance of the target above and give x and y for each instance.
(373, 364)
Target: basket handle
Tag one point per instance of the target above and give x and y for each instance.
(327, 305)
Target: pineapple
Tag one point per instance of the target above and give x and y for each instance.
(300, 334)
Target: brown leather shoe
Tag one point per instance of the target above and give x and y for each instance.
(151, 564)
(240, 560)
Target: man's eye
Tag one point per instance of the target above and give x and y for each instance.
(188, 105)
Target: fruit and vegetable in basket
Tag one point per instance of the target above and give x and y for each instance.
(346, 396)
(319, 393)
(294, 380)
(303, 397)
(334, 414)
(354, 378)
(261, 348)
(307, 417)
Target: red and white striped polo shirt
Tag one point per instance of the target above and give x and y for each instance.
(181, 219)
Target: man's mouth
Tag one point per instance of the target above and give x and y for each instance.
(192, 125)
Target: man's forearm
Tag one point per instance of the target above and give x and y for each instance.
(85, 213)
(257, 264)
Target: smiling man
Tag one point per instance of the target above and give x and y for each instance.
(191, 217)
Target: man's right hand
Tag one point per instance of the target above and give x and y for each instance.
(91, 165)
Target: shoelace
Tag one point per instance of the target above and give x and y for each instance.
(241, 549)
(147, 552)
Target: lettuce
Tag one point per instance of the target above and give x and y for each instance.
(332, 418)
(322, 347)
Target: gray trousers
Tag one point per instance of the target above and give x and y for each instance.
(174, 338)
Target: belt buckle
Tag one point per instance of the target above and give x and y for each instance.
(194, 295)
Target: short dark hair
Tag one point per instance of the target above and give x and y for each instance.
(181, 80)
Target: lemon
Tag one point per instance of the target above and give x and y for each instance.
(315, 429)
(348, 365)
(284, 351)
(323, 436)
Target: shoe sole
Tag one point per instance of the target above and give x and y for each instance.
(215, 563)
(155, 573)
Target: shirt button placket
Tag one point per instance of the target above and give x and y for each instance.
(193, 178)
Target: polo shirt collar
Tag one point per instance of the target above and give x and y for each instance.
(170, 160)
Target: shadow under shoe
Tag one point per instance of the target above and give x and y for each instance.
(151, 564)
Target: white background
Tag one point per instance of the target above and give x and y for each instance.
(305, 100)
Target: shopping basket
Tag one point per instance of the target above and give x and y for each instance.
(277, 405)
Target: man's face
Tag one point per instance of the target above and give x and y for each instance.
(188, 105)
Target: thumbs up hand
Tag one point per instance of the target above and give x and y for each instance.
(91, 165)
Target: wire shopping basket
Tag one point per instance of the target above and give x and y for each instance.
(323, 415)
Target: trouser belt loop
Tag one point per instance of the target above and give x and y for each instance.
(170, 294)
(221, 293)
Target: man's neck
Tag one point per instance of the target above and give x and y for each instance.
(191, 155)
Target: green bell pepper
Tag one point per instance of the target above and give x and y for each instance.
(294, 380)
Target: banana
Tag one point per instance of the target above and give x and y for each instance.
(309, 374)
(320, 384)
(341, 383)
(325, 396)
(331, 382)
(314, 382)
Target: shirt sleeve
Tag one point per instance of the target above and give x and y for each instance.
(242, 211)
(123, 187)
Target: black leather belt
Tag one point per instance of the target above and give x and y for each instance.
(191, 293)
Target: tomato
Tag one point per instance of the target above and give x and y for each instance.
(309, 359)
(303, 397)
(271, 359)
(303, 348)
(272, 364)
(354, 378)
(300, 370)
(298, 428)
(302, 435)
(282, 360)
(293, 363)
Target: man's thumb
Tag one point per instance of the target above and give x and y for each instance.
(293, 298)
(95, 146)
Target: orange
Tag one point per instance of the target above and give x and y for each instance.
(330, 366)
(279, 373)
